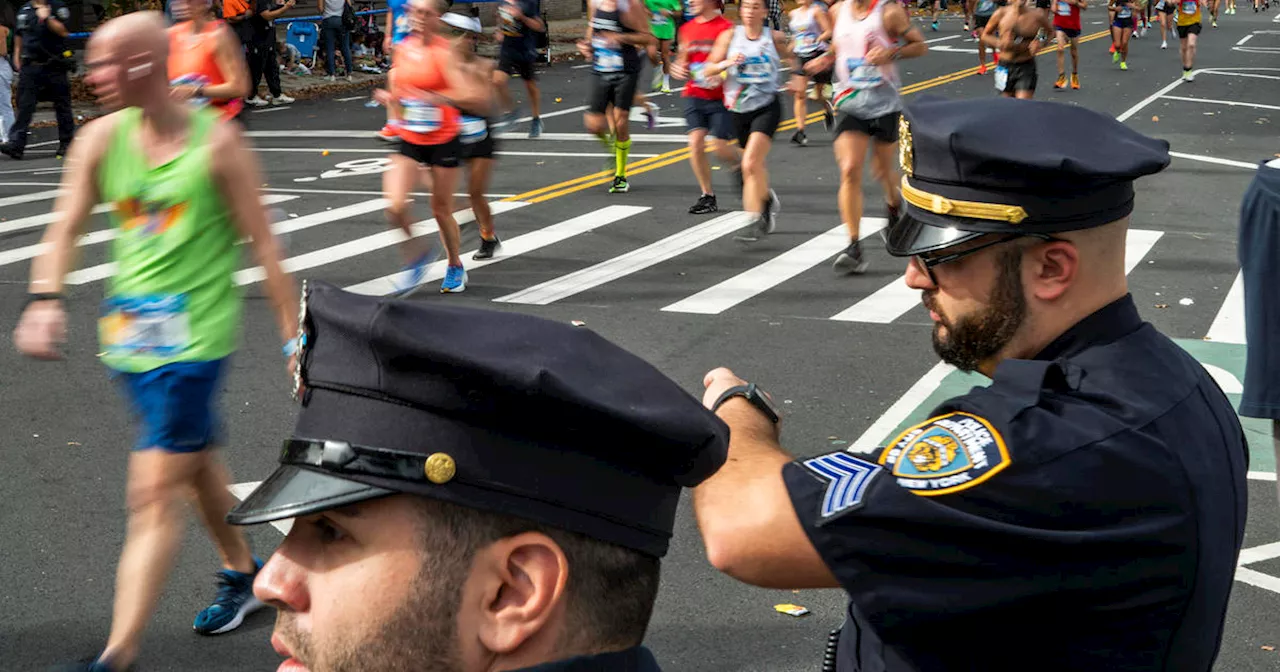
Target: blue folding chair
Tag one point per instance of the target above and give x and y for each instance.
(303, 35)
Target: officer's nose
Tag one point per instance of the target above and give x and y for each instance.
(915, 275)
(282, 582)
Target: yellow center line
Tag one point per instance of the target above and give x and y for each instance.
(674, 156)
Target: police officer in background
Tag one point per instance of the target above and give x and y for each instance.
(1083, 512)
(441, 522)
(42, 67)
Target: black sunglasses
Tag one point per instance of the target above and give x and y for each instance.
(926, 264)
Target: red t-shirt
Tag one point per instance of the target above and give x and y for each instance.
(1066, 15)
(699, 38)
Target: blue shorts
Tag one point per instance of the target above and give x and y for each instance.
(709, 114)
(174, 404)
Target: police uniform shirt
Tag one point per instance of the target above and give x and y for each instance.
(39, 42)
(1083, 512)
(637, 659)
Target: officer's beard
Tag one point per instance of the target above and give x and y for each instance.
(979, 336)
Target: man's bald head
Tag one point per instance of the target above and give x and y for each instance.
(128, 60)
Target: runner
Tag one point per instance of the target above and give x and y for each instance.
(811, 37)
(1121, 29)
(1164, 12)
(1013, 30)
(520, 23)
(429, 89)
(1066, 26)
(206, 60)
(476, 132)
(616, 30)
(663, 25)
(1188, 34)
(982, 11)
(939, 6)
(752, 66)
(396, 30)
(1213, 12)
(184, 191)
(869, 36)
(707, 118)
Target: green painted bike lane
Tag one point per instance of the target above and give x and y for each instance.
(1224, 361)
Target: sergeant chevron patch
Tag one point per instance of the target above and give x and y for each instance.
(848, 478)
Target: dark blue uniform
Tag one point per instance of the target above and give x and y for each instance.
(43, 76)
(1083, 512)
(632, 660)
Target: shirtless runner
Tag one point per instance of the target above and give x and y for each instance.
(1013, 31)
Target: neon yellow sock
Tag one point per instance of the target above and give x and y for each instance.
(621, 149)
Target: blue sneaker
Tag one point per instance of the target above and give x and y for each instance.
(535, 131)
(455, 280)
(95, 665)
(412, 275)
(235, 600)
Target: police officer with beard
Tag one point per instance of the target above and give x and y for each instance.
(1083, 511)
(42, 61)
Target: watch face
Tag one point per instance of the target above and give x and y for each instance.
(758, 396)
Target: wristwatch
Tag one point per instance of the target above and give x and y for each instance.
(754, 395)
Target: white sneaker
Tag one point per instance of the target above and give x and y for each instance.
(330, 78)
(255, 101)
(1164, 44)
(281, 100)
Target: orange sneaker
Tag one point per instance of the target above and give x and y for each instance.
(982, 68)
(388, 133)
(1061, 83)
(1075, 81)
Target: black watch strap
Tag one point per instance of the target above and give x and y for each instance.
(752, 394)
(38, 297)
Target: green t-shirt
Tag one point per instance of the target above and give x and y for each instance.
(664, 27)
(172, 298)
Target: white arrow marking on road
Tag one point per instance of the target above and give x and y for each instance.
(1228, 325)
(957, 50)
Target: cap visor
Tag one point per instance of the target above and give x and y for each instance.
(915, 233)
(297, 491)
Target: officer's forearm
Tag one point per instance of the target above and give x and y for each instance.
(56, 26)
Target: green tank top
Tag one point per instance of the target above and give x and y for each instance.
(172, 298)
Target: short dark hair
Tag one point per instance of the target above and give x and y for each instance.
(611, 589)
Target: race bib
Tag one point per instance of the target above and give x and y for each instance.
(1001, 77)
(805, 41)
(660, 19)
(420, 117)
(862, 75)
(985, 8)
(402, 25)
(698, 76)
(1190, 6)
(755, 70)
(156, 325)
(474, 129)
(1064, 8)
(1124, 12)
(508, 21)
(607, 59)
(194, 79)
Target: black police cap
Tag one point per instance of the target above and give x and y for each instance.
(490, 410)
(1000, 165)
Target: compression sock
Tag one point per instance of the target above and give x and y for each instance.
(621, 149)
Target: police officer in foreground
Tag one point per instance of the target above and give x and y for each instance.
(42, 61)
(1084, 511)
(473, 490)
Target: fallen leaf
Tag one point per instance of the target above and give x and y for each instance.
(73, 443)
(1268, 647)
(1155, 118)
(1162, 305)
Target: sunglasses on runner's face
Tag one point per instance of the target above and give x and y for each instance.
(926, 262)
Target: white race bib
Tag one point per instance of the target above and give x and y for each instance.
(862, 75)
(420, 117)
(1001, 77)
(698, 76)
(607, 59)
(1064, 8)
(1189, 7)
(156, 325)
(474, 129)
(754, 70)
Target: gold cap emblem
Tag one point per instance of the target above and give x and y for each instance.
(440, 468)
(906, 154)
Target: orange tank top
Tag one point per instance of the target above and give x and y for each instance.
(420, 65)
(192, 61)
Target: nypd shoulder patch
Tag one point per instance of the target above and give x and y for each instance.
(847, 480)
(946, 454)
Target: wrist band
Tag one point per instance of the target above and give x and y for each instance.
(38, 297)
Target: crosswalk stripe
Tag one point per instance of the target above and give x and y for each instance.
(1228, 325)
(35, 221)
(514, 247)
(369, 243)
(1137, 244)
(95, 237)
(631, 262)
(883, 305)
(28, 198)
(758, 279)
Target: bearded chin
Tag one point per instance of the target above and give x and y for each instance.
(976, 338)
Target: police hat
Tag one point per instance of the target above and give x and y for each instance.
(1000, 165)
(490, 410)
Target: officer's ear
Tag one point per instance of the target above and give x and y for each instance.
(524, 579)
(1050, 269)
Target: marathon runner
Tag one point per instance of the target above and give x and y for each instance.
(982, 11)
(705, 115)
(476, 134)
(616, 30)
(1164, 12)
(184, 191)
(430, 87)
(869, 36)
(1013, 31)
(520, 23)
(206, 60)
(1066, 26)
(1121, 29)
(1213, 12)
(396, 30)
(662, 23)
(1188, 34)
(752, 66)
(810, 38)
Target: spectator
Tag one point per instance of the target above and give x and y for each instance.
(335, 34)
(290, 59)
(237, 13)
(262, 53)
(6, 72)
(42, 66)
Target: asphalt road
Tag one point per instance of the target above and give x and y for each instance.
(849, 355)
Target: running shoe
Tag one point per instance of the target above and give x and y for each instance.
(411, 276)
(487, 248)
(61, 151)
(1113, 48)
(507, 119)
(770, 214)
(1187, 76)
(1061, 83)
(982, 68)
(91, 665)
(1115, 56)
(255, 101)
(455, 280)
(11, 152)
(1215, 22)
(850, 260)
(1164, 44)
(657, 79)
(1124, 65)
(935, 26)
(706, 205)
(535, 130)
(751, 232)
(651, 111)
(233, 602)
(388, 133)
(966, 26)
(619, 185)
(800, 139)
(282, 100)
(828, 117)
(1075, 81)
(666, 87)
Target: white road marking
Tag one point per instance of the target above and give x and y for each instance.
(385, 150)
(942, 39)
(548, 115)
(1244, 39)
(350, 98)
(1248, 556)
(580, 155)
(954, 50)
(513, 247)
(1124, 116)
(878, 432)
(1228, 325)
(349, 192)
(1137, 243)
(582, 137)
(637, 260)
(1262, 476)
(27, 198)
(1213, 159)
(1233, 103)
(758, 279)
(1256, 578)
(271, 109)
(28, 170)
